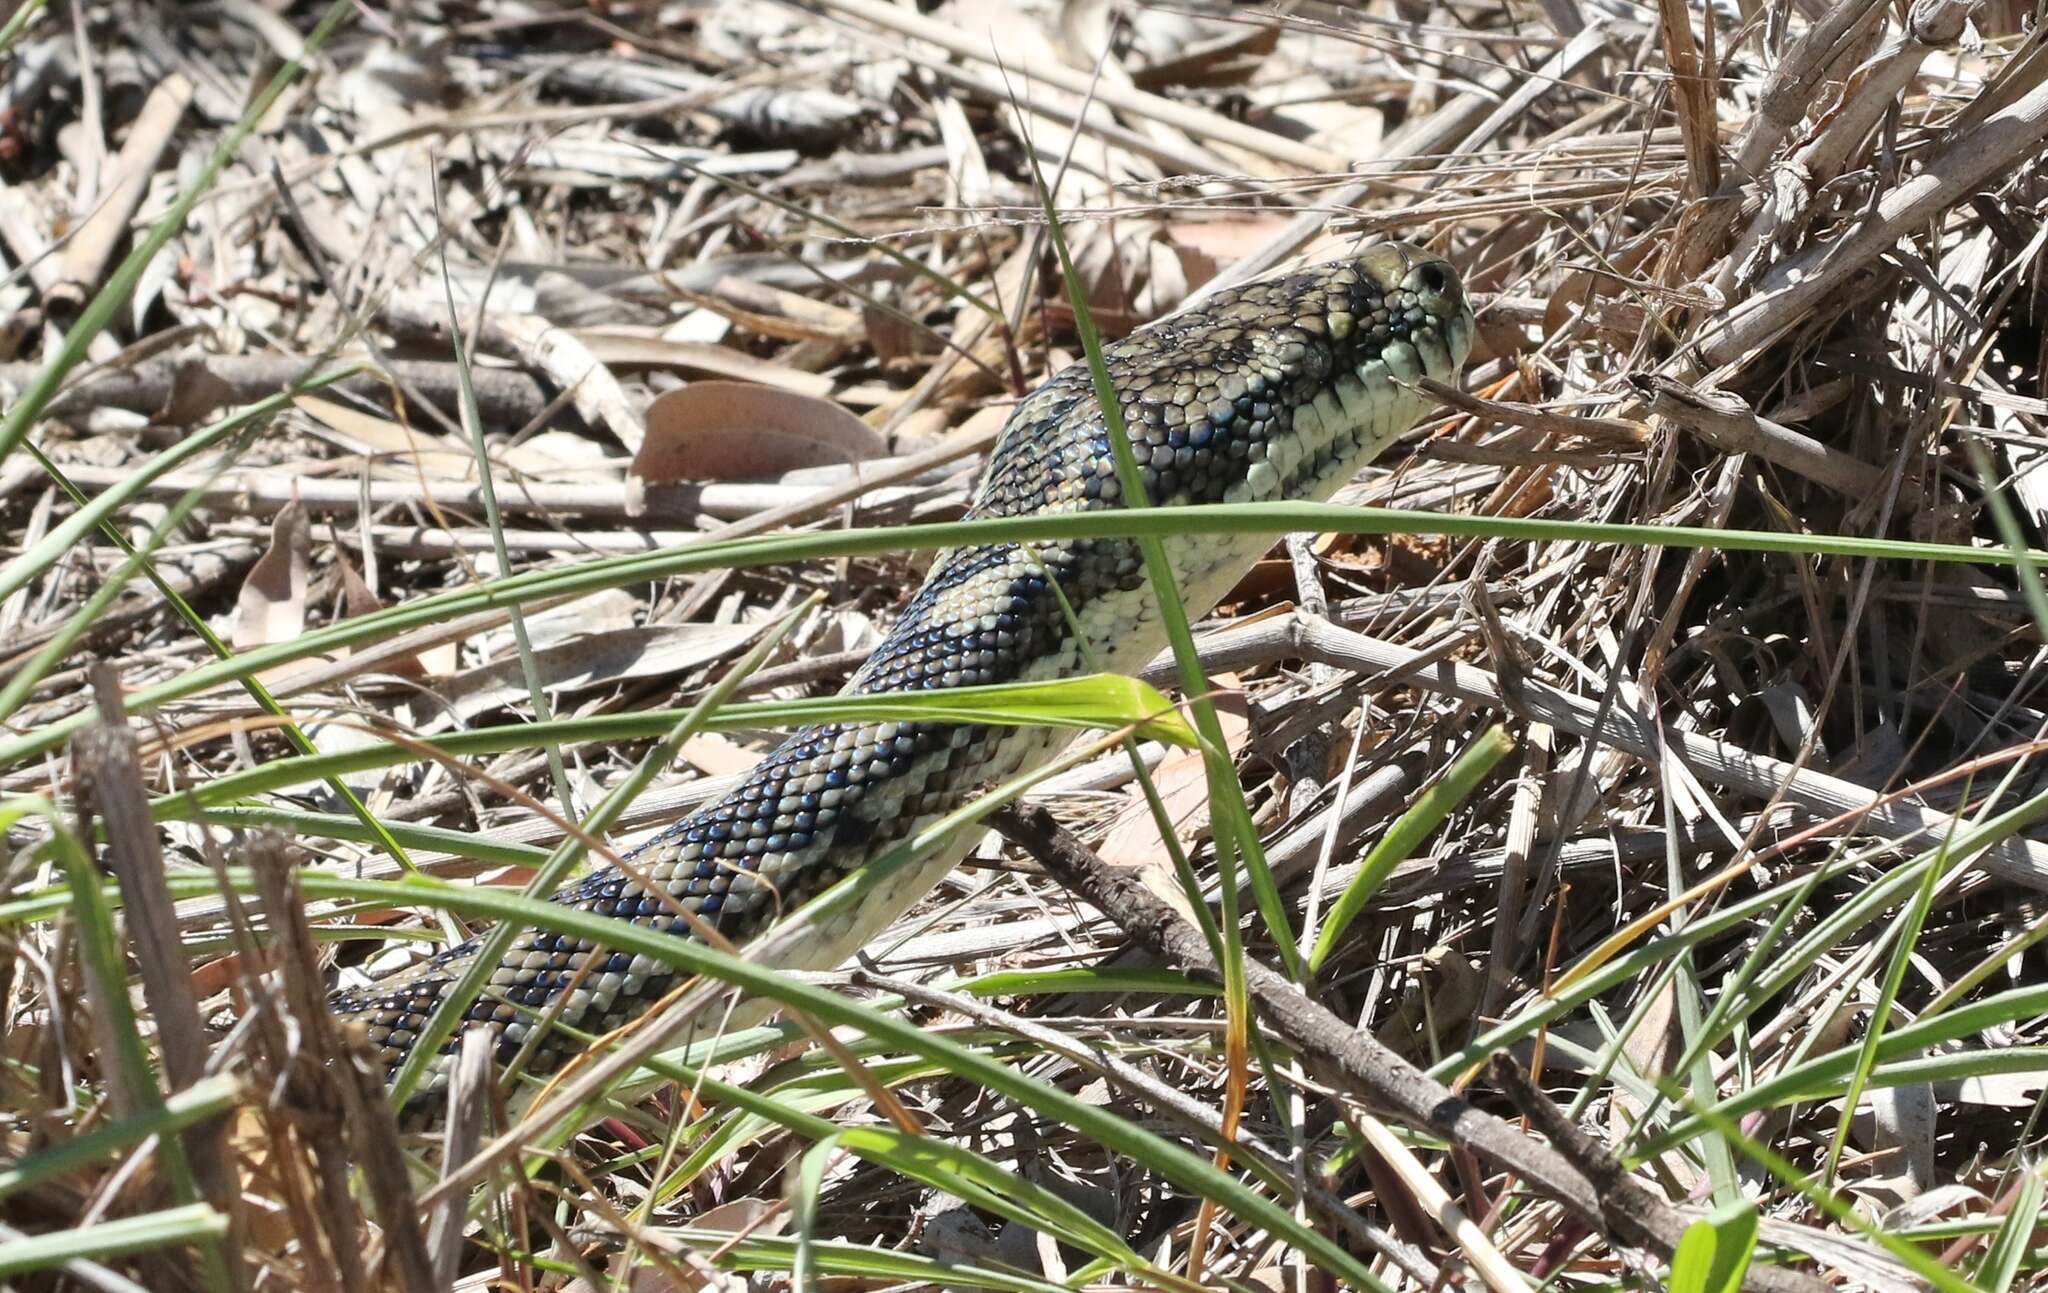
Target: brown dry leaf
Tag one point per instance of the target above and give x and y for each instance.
(735, 431)
(1229, 57)
(356, 597)
(717, 755)
(1877, 1197)
(609, 610)
(272, 604)
(440, 661)
(253, 1141)
(561, 457)
(1226, 241)
(1183, 783)
(744, 1217)
(1655, 1042)
(1134, 274)
(1651, 1048)
(653, 651)
(637, 348)
(508, 877)
(1209, 244)
(196, 395)
(1437, 1008)
(414, 452)
(216, 975)
(898, 343)
(773, 312)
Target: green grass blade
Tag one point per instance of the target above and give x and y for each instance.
(1905, 943)
(1095, 702)
(1111, 1129)
(2001, 1263)
(196, 1103)
(803, 1205)
(102, 951)
(456, 1000)
(193, 1223)
(1231, 819)
(494, 519)
(1825, 1201)
(1232, 518)
(312, 825)
(17, 23)
(971, 1176)
(1714, 1252)
(138, 561)
(1406, 835)
(1836, 925)
(1824, 1076)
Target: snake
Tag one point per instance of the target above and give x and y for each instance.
(1277, 388)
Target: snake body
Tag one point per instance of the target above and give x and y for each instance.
(1278, 389)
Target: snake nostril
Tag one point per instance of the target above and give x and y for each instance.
(1433, 277)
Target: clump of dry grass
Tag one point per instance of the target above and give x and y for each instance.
(1727, 527)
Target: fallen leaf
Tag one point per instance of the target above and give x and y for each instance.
(897, 341)
(216, 975)
(1652, 1047)
(653, 651)
(560, 457)
(272, 604)
(1229, 57)
(773, 312)
(1437, 1010)
(1183, 784)
(717, 755)
(356, 597)
(392, 444)
(761, 1217)
(1655, 1043)
(1226, 241)
(196, 395)
(621, 348)
(605, 611)
(735, 431)
(508, 877)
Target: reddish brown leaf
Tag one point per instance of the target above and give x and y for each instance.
(272, 604)
(738, 431)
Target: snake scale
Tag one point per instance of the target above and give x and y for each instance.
(1277, 389)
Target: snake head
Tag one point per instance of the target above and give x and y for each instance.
(1412, 279)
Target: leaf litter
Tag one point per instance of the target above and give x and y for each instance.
(722, 268)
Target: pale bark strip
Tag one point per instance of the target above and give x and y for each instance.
(1793, 289)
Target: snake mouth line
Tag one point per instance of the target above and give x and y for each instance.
(1421, 326)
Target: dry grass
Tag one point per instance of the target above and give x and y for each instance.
(1769, 269)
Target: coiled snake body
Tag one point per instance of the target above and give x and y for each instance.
(1276, 389)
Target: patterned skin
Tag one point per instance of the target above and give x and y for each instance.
(1276, 389)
